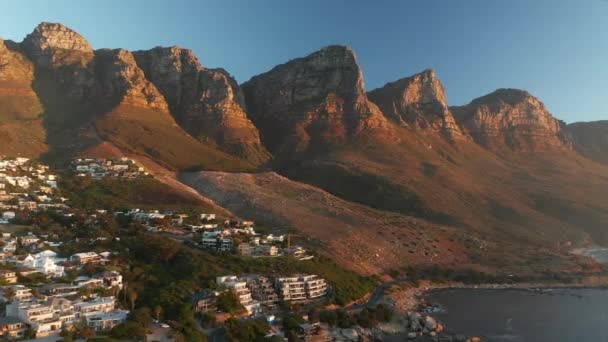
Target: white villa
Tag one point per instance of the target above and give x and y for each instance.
(45, 262)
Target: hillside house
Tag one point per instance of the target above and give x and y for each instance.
(242, 292)
(12, 328)
(301, 287)
(204, 302)
(85, 258)
(45, 262)
(8, 276)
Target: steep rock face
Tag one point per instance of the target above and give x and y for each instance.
(120, 79)
(51, 43)
(418, 101)
(512, 118)
(208, 103)
(312, 102)
(21, 131)
(64, 59)
(591, 139)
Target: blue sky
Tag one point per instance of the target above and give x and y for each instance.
(557, 50)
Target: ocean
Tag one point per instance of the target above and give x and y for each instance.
(551, 315)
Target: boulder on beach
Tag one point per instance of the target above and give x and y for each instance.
(430, 323)
(412, 335)
(350, 334)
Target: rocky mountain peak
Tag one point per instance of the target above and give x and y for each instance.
(418, 101)
(208, 103)
(120, 77)
(591, 139)
(312, 102)
(513, 118)
(52, 41)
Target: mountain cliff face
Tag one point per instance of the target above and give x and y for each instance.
(121, 81)
(50, 43)
(63, 59)
(92, 98)
(21, 131)
(419, 102)
(514, 119)
(60, 98)
(311, 103)
(208, 103)
(591, 139)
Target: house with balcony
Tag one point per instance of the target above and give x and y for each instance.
(242, 292)
(301, 287)
(8, 276)
(12, 328)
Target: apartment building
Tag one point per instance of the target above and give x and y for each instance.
(242, 292)
(301, 287)
(8, 276)
(262, 289)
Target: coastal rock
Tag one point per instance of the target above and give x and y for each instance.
(208, 103)
(412, 335)
(591, 139)
(311, 103)
(513, 119)
(415, 320)
(420, 102)
(430, 323)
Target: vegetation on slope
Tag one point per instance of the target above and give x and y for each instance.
(152, 133)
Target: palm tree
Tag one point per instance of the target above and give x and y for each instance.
(132, 298)
(157, 310)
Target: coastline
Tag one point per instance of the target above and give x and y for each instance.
(410, 300)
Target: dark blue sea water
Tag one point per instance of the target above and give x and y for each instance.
(579, 315)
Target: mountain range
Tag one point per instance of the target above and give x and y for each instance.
(382, 178)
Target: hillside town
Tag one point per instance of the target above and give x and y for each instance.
(99, 168)
(67, 271)
(53, 285)
(26, 185)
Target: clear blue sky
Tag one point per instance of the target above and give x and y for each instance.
(557, 50)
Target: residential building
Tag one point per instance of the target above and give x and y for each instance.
(18, 293)
(220, 244)
(245, 249)
(29, 240)
(106, 320)
(301, 287)
(262, 289)
(85, 258)
(110, 279)
(242, 292)
(8, 276)
(207, 217)
(45, 262)
(12, 328)
(204, 302)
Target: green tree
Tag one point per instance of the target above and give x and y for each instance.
(227, 301)
(132, 298)
(245, 331)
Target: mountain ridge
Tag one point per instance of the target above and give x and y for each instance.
(501, 169)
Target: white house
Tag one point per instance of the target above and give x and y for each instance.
(8, 215)
(45, 262)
